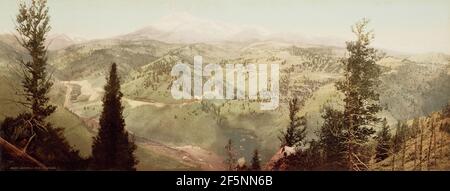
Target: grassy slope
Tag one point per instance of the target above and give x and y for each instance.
(76, 132)
(149, 160)
(439, 155)
(189, 125)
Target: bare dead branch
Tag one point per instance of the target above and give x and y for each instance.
(17, 153)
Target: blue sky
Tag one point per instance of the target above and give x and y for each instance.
(404, 25)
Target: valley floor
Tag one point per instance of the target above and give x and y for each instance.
(190, 157)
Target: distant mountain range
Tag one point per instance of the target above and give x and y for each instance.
(54, 41)
(185, 28)
(60, 41)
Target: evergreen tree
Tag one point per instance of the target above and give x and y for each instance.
(112, 148)
(445, 114)
(399, 137)
(256, 166)
(395, 147)
(296, 131)
(32, 28)
(446, 111)
(361, 77)
(314, 157)
(383, 139)
(332, 139)
(230, 161)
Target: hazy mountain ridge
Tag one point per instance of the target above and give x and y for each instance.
(415, 89)
(60, 41)
(89, 59)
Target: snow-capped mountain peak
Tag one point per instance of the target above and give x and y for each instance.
(187, 28)
(184, 27)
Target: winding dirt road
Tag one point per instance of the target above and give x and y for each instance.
(95, 94)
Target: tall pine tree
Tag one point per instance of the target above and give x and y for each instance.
(32, 28)
(383, 139)
(112, 148)
(296, 131)
(361, 77)
(230, 161)
(256, 163)
(332, 139)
